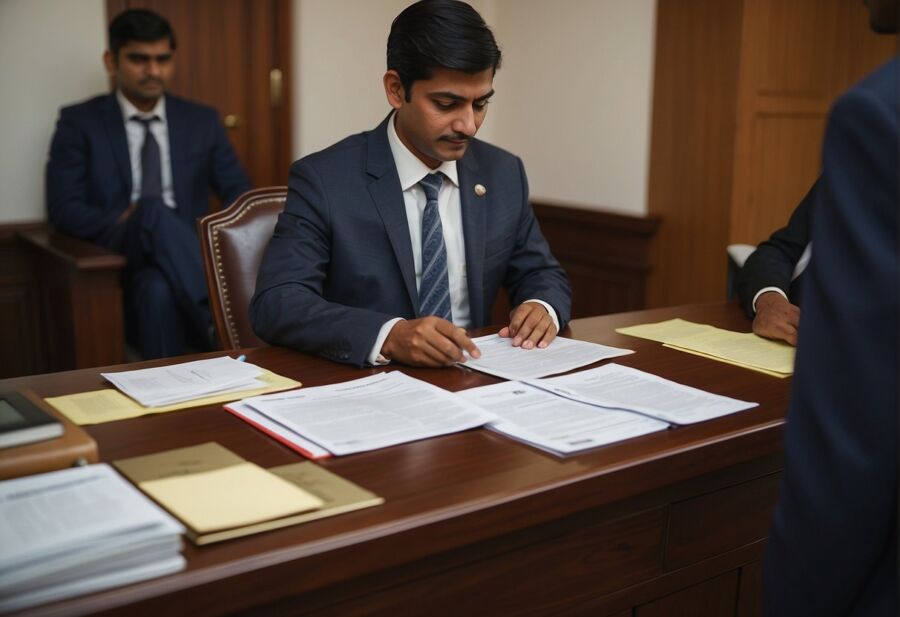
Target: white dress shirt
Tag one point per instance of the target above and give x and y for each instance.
(411, 170)
(134, 131)
(798, 270)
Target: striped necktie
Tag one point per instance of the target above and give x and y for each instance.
(434, 288)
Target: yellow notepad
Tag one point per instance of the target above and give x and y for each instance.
(743, 349)
(108, 405)
(337, 494)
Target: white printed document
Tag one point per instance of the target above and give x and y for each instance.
(622, 387)
(553, 423)
(291, 439)
(500, 358)
(166, 385)
(369, 413)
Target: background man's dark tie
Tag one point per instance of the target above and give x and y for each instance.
(151, 164)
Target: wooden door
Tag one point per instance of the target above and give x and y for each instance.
(741, 93)
(798, 57)
(235, 56)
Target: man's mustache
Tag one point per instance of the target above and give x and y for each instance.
(456, 137)
(149, 80)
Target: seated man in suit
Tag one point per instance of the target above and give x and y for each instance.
(395, 240)
(768, 284)
(132, 171)
(832, 549)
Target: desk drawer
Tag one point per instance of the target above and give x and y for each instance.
(720, 521)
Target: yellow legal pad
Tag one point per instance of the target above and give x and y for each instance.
(219, 496)
(743, 349)
(109, 404)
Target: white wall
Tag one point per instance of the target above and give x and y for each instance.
(574, 97)
(339, 60)
(50, 55)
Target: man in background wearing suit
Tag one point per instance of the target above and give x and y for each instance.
(832, 549)
(132, 171)
(768, 284)
(395, 240)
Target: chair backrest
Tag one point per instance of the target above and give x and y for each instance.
(737, 255)
(232, 242)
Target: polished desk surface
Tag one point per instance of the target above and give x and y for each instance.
(442, 493)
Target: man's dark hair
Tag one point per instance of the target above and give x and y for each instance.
(434, 34)
(138, 25)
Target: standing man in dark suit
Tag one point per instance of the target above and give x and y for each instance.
(395, 240)
(132, 171)
(833, 546)
(768, 284)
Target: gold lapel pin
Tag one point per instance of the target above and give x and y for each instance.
(480, 190)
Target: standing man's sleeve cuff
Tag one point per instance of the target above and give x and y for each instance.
(375, 358)
(550, 310)
(764, 290)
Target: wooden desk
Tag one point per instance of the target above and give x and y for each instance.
(477, 524)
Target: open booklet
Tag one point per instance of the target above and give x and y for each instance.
(596, 407)
(563, 415)
(364, 414)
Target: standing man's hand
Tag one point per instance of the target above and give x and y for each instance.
(776, 318)
(530, 326)
(428, 341)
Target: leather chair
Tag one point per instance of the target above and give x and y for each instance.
(232, 242)
(737, 255)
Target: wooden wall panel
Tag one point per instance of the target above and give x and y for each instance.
(779, 141)
(60, 302)
(18, 306)
(606, 256)
(741, 93)
(695, 93)
(787, 39)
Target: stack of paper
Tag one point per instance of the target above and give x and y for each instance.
(743, 349)
(364, 414)
(109, 405)
(77, 531)
(214, 491)
(167, 385)
(592, 408)
(500, 358)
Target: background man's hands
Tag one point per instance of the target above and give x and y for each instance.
(776, 318)
(428, 341)
(530, 326)
(126, 213)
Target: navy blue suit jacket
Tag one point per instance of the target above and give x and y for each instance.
(89, 171)
(833, 545)
(340, 262)
(772, 263)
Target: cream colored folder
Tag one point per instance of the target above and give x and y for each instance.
(210, 489)
(192, 482)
